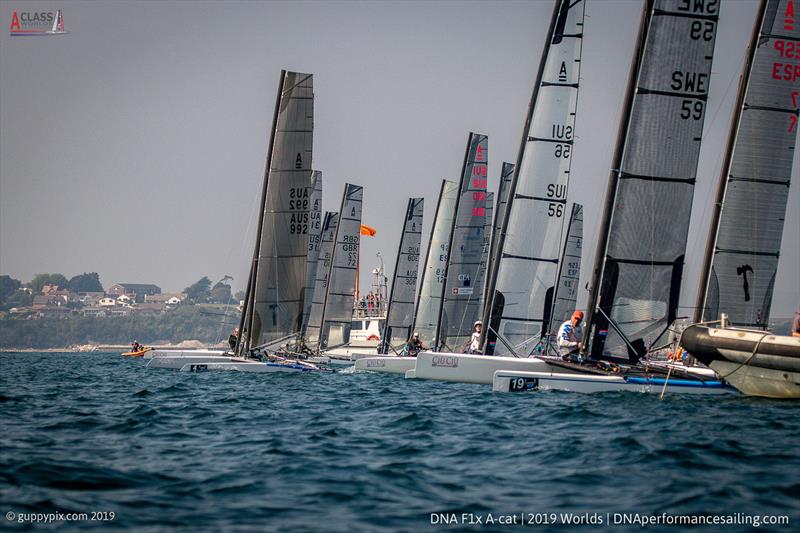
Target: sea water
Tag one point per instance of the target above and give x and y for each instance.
(140, 449)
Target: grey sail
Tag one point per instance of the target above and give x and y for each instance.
(315, 317)
(279, 280)
(314, 235)
(338, 313)
(642, 242)
(400, 313)
(746, 233)
(503, 199)
(462, 288)
(488, 239)
(530, 240)
(569, 270)
(429, 301)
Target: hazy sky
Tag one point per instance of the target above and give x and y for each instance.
(135, 145)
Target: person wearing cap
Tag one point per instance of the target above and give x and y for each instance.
(475, 340)
(414, 345)
(570, 334)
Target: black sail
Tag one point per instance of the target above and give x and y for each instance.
(640, 253)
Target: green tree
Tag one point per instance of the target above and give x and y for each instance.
(40, 280)
(221, 293)
(86, 282)
(7, 286)
(199, 292)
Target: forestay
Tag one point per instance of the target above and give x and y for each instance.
(281, 260)
(755, 184)
(462, 288)
(530, 241)
(315, 318)
(644, 229)
(569, 270)
(400, 313)
(314, 232)
(429, 301)
(342, 281)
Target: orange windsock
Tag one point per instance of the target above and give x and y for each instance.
(366, 230)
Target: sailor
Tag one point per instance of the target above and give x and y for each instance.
(135, 347)
(570, 334)
(475, 340)
(233, 339)
(796, 324)
(414, 345)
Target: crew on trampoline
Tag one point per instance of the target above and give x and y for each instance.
(570, 334)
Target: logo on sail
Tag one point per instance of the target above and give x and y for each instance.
(37, 23)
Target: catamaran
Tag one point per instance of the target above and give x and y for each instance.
(274, 306)
(525, 263)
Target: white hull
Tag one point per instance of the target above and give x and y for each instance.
(177, 362)
(510, 381)
(387, 364)
(181, 353)
(757, 381)
(249, 366)
(463, 368)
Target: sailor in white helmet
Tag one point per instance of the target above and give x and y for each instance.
(475, 340)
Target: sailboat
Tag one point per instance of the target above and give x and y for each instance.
(273, 309)
(532, 222)
(644, 228)
(400, 313)
(746, 230)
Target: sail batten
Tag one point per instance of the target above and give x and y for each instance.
(747, 225)
(530, 242)
(640, 254)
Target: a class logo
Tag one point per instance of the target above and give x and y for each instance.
(25, 23)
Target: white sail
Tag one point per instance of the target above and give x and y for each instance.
(315, 318)
(339, 300)
(314, 235)
(642, 243)
(746, 237)
(400, 313)
(462, 288)
(429, 301)
(530, 242)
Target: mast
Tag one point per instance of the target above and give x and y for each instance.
(247, 312)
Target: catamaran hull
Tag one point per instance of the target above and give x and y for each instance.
(386, 364)
(179, 353)
(249, 366)
(177, 362)
(463, 368)
(756, 363)
(511, 381)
